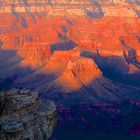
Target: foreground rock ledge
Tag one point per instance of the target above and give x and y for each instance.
(24, 117)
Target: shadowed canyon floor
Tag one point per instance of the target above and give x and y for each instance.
(84, 55)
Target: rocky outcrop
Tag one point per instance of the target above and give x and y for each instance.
(64, 56)
(17, 41)
(24, 116)
(79, 72)
(34, 54)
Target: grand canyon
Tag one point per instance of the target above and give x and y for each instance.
(83, 55)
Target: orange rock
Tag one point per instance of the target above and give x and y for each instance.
(79, 72)
(34, 54)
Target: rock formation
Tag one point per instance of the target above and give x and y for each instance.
(34, 54)
(81, 80)
(24, 116)
(77, 73)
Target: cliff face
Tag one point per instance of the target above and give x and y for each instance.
(74, 7)
(77, 73)
(23, 116)
(34, 54)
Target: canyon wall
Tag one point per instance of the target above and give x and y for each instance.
(69, 7)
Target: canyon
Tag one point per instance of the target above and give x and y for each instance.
(73, 52)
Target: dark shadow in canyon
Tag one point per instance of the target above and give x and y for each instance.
(93, 14)
(1, 43)
(11, 71)
(115, 68)
(87, 121)
(64, 45)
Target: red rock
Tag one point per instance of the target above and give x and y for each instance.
(34, 54)
(77, 74)
(59, 59)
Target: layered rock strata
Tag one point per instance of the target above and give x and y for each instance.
(24, 116)
(79, 8)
